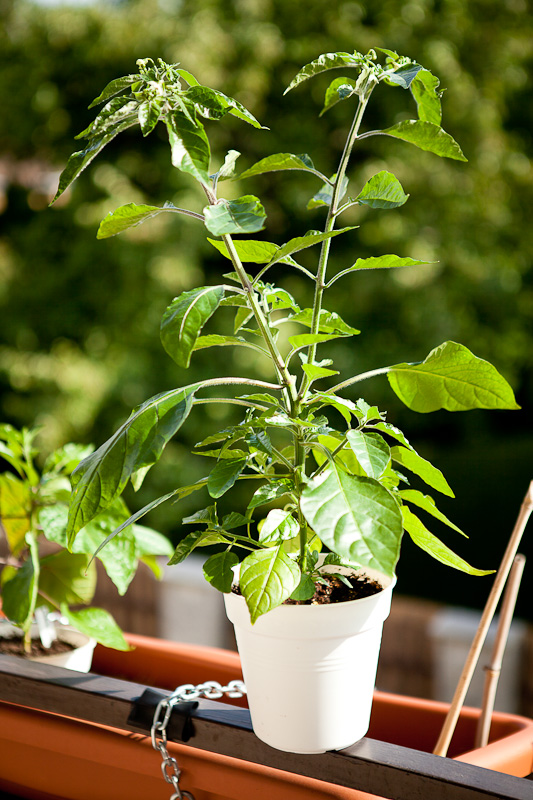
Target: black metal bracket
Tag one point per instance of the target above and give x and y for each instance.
(180, 725)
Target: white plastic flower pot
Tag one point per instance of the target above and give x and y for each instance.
(79, 658)
(310, 670)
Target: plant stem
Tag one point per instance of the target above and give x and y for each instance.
(284, 375)
(330, 224)
(357, 378)
(319, 294)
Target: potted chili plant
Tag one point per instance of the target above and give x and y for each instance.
(329, 498)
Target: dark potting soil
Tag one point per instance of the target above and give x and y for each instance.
(13, 646)
(335, 591)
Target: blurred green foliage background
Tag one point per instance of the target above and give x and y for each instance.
(79, 344)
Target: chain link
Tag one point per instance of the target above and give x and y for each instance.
(210, 690)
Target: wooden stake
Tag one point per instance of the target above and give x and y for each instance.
(494, 668)
(441, 748)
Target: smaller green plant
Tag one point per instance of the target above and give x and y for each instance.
(39, 570)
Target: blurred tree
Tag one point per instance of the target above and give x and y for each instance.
(79, 343)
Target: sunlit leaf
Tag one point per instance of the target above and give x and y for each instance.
(437, 549)
(371, 450)
(278, 525)
(244, 215)
(325, 62)
(189, 146)
(267, 578)
(383, 190)
(453, 378)
(355, 517)
(427, 503)
(129, 216)
(424, 469)
(278, 162)
(424, 90)
(427, 136)
(339, 89)
(184, 319)
(115, 87)
(214, 104)
(139, 442)
(99, 624)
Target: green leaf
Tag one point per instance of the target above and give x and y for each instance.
(305, 339)
(270, 491)
(383, 190)
(119, 556)
(314, 372)
(227, 170)
(234, 520)
(278, 526)
(115, 87)
(218, 570)
(244, 215)
(99, 624)
(339, 89)
(204, 515)
(190, 542)
(324, 196)
(261, 441)
(15, 511)
(224, 474)
(189, 145)
(392, 430)
(81, 159)
(427, 503)
(139, 442)
(453, 378)
(214, 340)
(251, 251)
(302, 242)
(149, 114)
(427, 136)
(372, 452)
(403, 76)
(214, 104)
(325, 62)
(329, 322)
(267, 578)
(129, 216)
(305, 589)
(437, 549)
(66, 578)
(184, 319)
(385, 262)
(356, 518)
(423, 468)
(112, 114)
(278, 162)
(424, 90)
(17, 594)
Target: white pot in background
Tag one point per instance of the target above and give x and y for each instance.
(79, 659)
(310, 670)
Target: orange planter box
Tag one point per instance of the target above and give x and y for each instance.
(44, 756)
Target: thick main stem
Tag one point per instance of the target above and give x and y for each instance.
(330, 224)
(319, 294)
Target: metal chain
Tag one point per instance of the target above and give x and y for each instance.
(211, 690)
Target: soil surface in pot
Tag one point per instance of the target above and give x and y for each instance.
(336, 591)
(13, 646)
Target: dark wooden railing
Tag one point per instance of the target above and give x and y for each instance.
(369, 765)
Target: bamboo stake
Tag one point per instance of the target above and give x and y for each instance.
(493, 670)
(441, 748)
